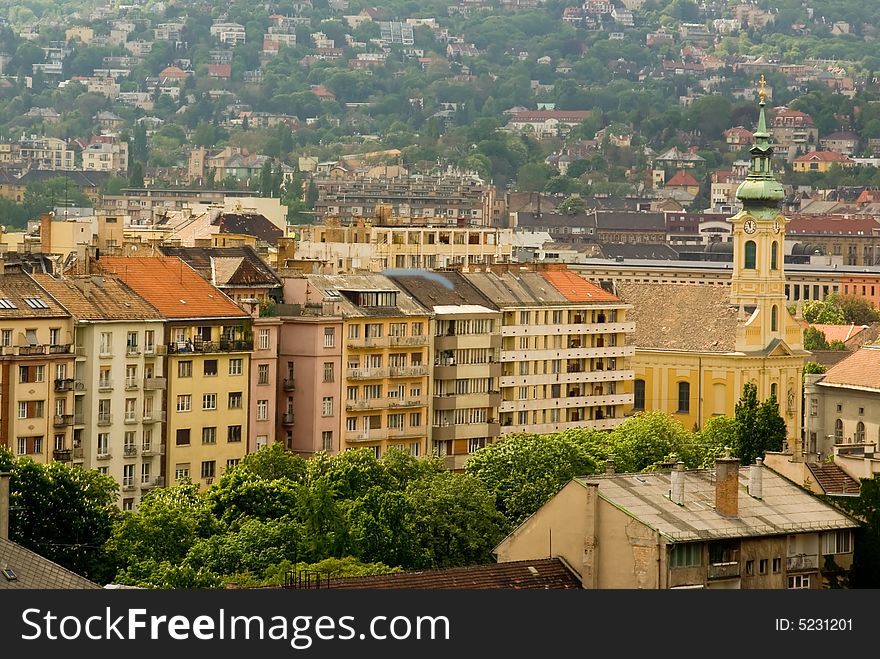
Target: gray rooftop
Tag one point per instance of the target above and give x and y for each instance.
(31, 570)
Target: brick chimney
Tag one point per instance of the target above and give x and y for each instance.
(46, 233)
(727, 486)
(4, 505)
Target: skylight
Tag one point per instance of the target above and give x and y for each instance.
(36, 303)
(7, 304)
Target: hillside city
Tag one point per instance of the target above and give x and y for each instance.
(437, 294)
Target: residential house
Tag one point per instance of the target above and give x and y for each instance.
(820, 161)
(843, 142)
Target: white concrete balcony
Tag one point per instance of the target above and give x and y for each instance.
(567, 353)
(565, 402)
(580, 328)
(567, 378)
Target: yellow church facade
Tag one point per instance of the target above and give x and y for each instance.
(697, 345)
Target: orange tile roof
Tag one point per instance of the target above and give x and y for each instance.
(838, 332)
(858, 370)
(682, 179)
(577, 289)
(172, 287)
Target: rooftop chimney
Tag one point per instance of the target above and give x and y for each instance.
(756, 479)
(4, 505)
(609, 465)
(677, 494)
(727, 486)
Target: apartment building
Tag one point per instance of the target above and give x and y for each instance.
(564, 358)
(263, 419)
(46, 153)
(35, 353)
(368, 247)
(385, 351)
(793, 133)
(208, 341)
(118, 383)
(110, 156)
(465, 394)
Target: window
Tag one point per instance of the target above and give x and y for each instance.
(30, 409)
(524, 317)
(860, 433)
(774, 258)
(231, 463)
(6, 337)
(762, 566)
(130, 410)
(31, 373)
(327, 440)
(329, 337)
(417, 329)
(210, 367)
(354, 331)
(234, 400)
(327, 406)
(209, 435)
(415, 419)
(639, 395)
(106, 345)
(182, 438)
(750, 568)
(814, 407)
(22, 446)
(235, 366)
(131, 343)
(328, 371)
(351, 423)
(836, 542)
(263, 374)
(209, 401)
(184, 369)
(233, 434)
(54, 336)
(838, 432)
(264, 339)
(149, 340)
(395, 420)
(181, 471)
(103, 443)
(184, 403)
(208, 468)
(689, 554)
(777, 565)
(751, 250)
(774, 318)
(145, 473)
(799, 581)
(262, 410)
(475, 443)
(684, 397)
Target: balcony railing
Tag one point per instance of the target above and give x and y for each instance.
(105, 419)
(78, 453)
(154, 416)
(224, 345)
(152, 384)
(68, 384)
(62, 455)
(408, 371)
(62, 420)
(129, 451)
(289, 384)
(130, 418)
(723, 570)
(132, 385)
(105, 385)
(802, 562)
(367, 373)
(79, 419)
(409, 340)
(106, 455)
(127, 484)
(152, 449)
(132, 351)
(158, 481)
(287, 419)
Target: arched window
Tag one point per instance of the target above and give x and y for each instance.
(774, 259)
(860, 433)
(773, 387)
(684, 397)
(774, 318)
(838, 432)
(639, 395)
(751, 251)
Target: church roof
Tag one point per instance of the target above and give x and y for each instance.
(695, 317)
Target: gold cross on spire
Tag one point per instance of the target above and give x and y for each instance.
(761, 92)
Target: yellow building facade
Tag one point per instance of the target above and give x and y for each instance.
(697, 345)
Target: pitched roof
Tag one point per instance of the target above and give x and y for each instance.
(172, 287)
(431, 292)
(541, 574)
(97, 298)
(32, 571)
(22, 297)
(783, 507)
(625, 220)
(823, 156)
(249, 224)
(683, 179)
(219, 265)
(841, 333)
(509, 289)
(861, 370)
(577, 289)
(336, 288)
(834, 480)
(666, 316)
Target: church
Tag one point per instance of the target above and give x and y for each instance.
(698, 344)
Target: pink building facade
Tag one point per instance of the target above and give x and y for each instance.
(263, 418)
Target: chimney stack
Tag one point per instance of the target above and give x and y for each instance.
(677, 494)
(4, 505)
(727, 486)
(609, 465)
(756, 479)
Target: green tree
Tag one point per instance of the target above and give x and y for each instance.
(139, 150)
(533, 177)
(865, 572)
(114, 185)
(814, 339)
(760, 428)
(266, 179)
(857, 310)
(42, 196)
(825, 312)
(136, 175)
(573, 205)
(524, 471)
(771, 428)
(814, 367)
(63, 513)
(311, 194)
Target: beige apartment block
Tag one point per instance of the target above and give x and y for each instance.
(384, 374)
(564, 359)
(36, 352)
(118, 383)
(208, 343)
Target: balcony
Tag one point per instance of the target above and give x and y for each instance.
(368, 342)
(153, 384)
(408, 402)
(152, 449)
(105, 385)
(78, 453)
(289, 384)
(287, 419)
(154, 416)
(223, 345)
(132, 385)
(25, 351)
(68, 384)
(105, 353)
(106, 455)
(130, 419)
(62, 420)
(62, 455)
(802, 563)
(105, 419)
(132, 351)
(367, 373)
(409, 341)
(151, 351)
(79, 419)
(408, 372)
(129, 451)
(448, 431)
(79, 351)
(127, 485)
(366, 404)
(159, 481)
(729, 570)
(372, 435)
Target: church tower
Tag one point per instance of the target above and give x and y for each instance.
(758, 283)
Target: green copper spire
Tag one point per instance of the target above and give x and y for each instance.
(760, 189)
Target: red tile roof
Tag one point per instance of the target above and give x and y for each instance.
(541, 574)
(832, 225)
(841, 333)
(172, 287)
(823, 156)
(834, 480)
(860, 369)
(682, 179)
(577, 289)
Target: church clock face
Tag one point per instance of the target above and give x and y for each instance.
(749, 226)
